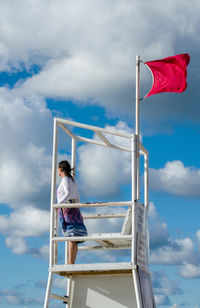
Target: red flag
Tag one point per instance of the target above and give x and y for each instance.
(169, 74)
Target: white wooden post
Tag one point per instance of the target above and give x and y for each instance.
(48, 290)
(73, 155)
(53, 227)
(52, 245)
(73, 165)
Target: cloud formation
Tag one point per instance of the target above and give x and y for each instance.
(92, 60)
(176, 179)
(164, 288)
(162, 299)
(12, 297)
(19, 246)
(169, 251)
(25, 163)
(25, 222)
(198, 235)
(56, 34)
(188, 270)
(159, 235)
(174, 253)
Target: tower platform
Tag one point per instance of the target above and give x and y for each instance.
(92, 269)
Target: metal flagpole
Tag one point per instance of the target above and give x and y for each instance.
(137, 123)
(135, 165)
(136, 186)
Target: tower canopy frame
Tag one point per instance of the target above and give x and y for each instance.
(134, 234)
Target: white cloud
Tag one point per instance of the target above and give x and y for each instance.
(23, 115)
(162, 284)
(12, 297)
(25, 167)
(198, 235)
(159, 235)
(188, 270)
(25, 163)
(176, 252)
(176, 179)
(103, 170)
(81, 79)
(25, 175)
(39, 252)
(87, 51)
(161, 299)
(100, 27)
(25, 222)
(17, 245)
(60, 283)
(164, 288)
(165, 250)
(152, 210)
(60, 35)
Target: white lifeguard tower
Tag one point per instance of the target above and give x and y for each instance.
(107, 285)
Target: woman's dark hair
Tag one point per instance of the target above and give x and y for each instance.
(64, 165)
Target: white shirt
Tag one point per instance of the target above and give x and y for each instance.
(67, 190)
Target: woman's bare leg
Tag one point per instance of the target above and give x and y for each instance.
(73, 248)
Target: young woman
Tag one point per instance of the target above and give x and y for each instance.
(70, 218)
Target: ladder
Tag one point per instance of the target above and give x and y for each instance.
(104, 284)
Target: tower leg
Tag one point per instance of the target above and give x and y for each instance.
(67, 280)
(69, 291)
(137, 289)
(48, 290)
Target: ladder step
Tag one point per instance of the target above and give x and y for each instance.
(61, 298)
(90, 269)
(101, 236)
(89, 205)
(105, 247)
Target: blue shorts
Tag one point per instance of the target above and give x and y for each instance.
(75, 230)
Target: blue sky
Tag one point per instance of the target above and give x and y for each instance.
(77, 61)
